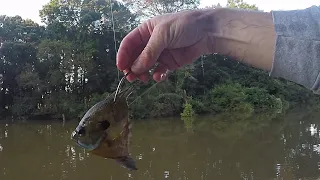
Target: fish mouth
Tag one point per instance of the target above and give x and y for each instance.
(75, 137)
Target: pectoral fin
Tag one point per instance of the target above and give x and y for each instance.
(127, 162)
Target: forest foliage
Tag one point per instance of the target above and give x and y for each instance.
(68, 64)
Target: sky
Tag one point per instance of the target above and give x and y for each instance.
(30, 8)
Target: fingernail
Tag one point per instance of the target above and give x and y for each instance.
(163, 76)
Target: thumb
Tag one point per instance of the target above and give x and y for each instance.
(150, 53)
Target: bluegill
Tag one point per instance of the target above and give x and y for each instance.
(105, 129)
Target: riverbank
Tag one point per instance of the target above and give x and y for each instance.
(240, 113)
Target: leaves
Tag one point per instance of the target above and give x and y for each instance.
(69, 64)
(150, 8)
(72, 57)
(240, 4)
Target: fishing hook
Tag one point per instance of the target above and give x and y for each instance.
(117, 91)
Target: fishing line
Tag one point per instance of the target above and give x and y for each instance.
(114, 35)
(168, 72)
(144, 92)
(117, 90)
(115, 49)
(122, 80)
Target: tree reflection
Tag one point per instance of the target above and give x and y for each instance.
(227, 146)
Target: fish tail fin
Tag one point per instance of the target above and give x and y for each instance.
(127, 162)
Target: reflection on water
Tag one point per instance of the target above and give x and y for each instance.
(221, 147)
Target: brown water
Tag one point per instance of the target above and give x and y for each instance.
(284, 148)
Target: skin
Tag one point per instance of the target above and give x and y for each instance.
(178, 39)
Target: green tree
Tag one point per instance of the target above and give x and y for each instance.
(241, 5)
(67, 65)
(150, 8)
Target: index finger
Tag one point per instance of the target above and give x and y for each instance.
(131, 46)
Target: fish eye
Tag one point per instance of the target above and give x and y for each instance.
(82, 131)
(104, 124)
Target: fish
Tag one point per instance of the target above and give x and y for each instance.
(105, 129)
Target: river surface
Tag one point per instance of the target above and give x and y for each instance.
(222, 147)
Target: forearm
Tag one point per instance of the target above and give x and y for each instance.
(286, 43)
(248, 36)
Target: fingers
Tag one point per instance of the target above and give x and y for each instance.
(150, 53)
(168, 60)
(130, 77)
(145, 45)
(140, 51)
(144, 77)
(160, 73)
(132, 46)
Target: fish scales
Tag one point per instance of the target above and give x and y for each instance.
(105, 129)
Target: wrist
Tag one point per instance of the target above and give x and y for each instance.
(247, 36)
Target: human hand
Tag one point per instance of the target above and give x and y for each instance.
(172, 40)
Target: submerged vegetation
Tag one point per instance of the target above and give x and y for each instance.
(61, 69)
